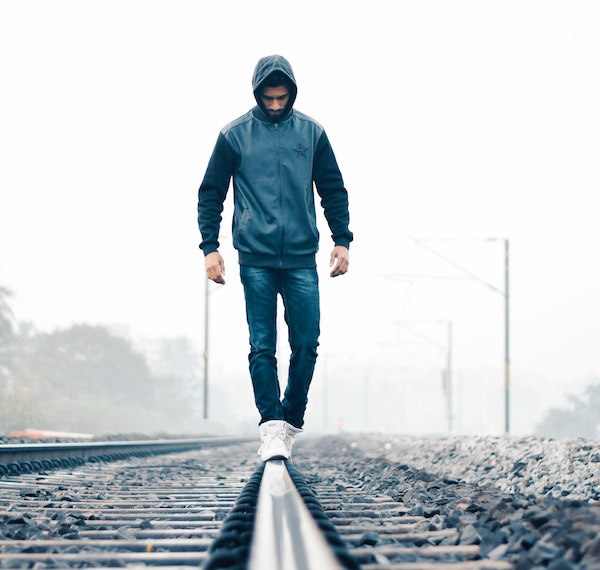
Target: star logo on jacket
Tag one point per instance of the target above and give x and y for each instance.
(301, 151)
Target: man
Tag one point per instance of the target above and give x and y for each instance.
(274, 154)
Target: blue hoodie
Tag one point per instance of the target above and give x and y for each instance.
(274, 166)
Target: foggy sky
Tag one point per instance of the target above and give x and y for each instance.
(452, 120)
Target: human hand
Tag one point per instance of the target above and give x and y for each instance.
(215, 267)
(339, 260)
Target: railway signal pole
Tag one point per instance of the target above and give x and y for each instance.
(506, 342)
(447, 372)
(448, 379)
(505, 294)
(205, 353)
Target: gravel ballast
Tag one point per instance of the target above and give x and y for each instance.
(569, 469)
(530, 501)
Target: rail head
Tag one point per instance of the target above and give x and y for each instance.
(88, 449)
(286, 537)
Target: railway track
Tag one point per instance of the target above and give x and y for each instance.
(197, 507)
(26, 458)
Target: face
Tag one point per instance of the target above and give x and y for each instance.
(274, 100)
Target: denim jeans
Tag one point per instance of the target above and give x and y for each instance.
(299, 289)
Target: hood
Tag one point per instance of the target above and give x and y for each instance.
(264, 68)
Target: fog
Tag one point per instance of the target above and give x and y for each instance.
(452, 122)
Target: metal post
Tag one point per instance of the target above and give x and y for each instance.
(206, 304)
(366, 403)
(506, 342)
(449, 377)
(506, 315)
(325, 392)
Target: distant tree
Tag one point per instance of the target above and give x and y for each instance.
(581, 419)
(178, 356)
(85, 379)
(16, 407)
(6, 316)
(177, 364)
(7, 339)
(87, 358)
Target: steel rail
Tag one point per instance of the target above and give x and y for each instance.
(11, 454)
(206, 507)
(286, 537)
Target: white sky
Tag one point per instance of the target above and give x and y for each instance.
(454, 120)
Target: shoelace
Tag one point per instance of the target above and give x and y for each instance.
(270, 437)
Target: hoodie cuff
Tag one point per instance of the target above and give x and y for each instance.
(208, 248)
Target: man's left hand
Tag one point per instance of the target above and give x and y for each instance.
(339, 261)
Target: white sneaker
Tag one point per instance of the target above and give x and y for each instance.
(290, 434)
(273, 436)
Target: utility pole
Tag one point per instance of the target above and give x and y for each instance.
(205, 355)
(505, 294)
(448, 379)
(447, 372)
(506, 343)
(325, 392)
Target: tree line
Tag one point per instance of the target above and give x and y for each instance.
(86, 379)
(580, 419)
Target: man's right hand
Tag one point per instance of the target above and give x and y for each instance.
(215, 267)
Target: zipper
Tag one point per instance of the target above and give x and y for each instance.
(276, 125)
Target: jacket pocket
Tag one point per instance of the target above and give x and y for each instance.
(240, 221)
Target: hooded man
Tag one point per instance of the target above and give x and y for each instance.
(275, 154)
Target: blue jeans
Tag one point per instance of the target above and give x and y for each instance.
(299, 289)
